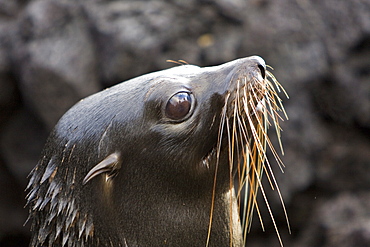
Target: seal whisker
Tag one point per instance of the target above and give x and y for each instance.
(279, 88)
(251, 161)
(273, 114)
(264, 133)
(277, 127)
(258, 141)
(244, 140)
(273, 107)
(253, 186)
(270, 94)
(218, 152)
(276, 155)
(253, 204)
(233, 144)
(276, 82)
(230, 139)
(258, 99)
(269, 209)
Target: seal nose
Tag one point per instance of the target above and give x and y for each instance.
(261, 64)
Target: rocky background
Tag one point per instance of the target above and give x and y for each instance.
(52, 53)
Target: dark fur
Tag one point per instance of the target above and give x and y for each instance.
(162, 194)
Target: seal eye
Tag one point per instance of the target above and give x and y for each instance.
(178, 106)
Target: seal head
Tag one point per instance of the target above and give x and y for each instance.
(148, 162)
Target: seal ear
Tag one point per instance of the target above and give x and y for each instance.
(110, 165)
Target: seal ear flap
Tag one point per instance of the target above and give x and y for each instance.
(110, 165)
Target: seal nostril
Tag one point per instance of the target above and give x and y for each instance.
(263, 70)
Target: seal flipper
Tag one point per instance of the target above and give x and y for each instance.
(110, 165)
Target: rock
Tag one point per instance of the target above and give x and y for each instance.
(9, 9)
(21, 139)
(9, 93)
(12, 213)
(56, 58)
(343, 220)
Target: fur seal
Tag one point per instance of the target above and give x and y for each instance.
(151, 161)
